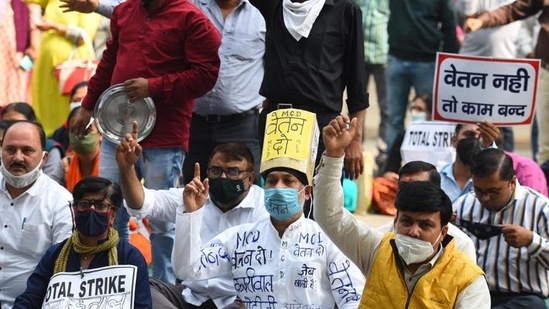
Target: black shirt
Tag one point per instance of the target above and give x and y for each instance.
(313, 72)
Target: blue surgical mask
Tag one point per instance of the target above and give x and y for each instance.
(91, 223)
(282, 203)
(416, 116)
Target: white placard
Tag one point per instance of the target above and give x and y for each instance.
(429, 141)
(98, 288)
(470, 89)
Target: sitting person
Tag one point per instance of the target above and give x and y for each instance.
(94, 244)
(84, 160)
(53, 166)
(418, 266)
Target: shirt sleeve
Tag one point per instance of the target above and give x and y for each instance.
(106, 7)
(357, 97)
(201, 53)
(476, 295)
(512, 12)
(187, 234)
(355, 239)
(347, 282)
(159, 204)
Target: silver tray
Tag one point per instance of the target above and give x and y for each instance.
(114, 114)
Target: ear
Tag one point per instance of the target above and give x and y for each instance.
(444, 232)
(308, 191)
(454, 141)
(45, 155)
(251, 177)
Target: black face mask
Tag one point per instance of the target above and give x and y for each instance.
(480, 230)
(467, 148)
(91, 223)
(226, 191)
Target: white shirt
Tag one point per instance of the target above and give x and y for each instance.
(30, 224)
(194, 229)
(303, 269)
(462, 242)
(359, 241)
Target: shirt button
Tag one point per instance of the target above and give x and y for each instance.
(11, 204)
(6, 226)
(1, 248)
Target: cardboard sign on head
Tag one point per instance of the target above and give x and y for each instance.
(291, 141)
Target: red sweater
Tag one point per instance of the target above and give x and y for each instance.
(175, 48)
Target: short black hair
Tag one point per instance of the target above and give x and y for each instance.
(424, 196)
(427, 98)
(235, 150)
(38, 126)
(467, 148)
(414, 167)
(492, 160)
(94, 184)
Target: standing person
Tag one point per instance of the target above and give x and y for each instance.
(411, 268)
(513, 245)
(375, 15)
(35, 209)
(230, 111)
(94, 244)
(518, 10)
(19, 39)
(417, 31)
(61, 33)
(156, 52)
(315, 50)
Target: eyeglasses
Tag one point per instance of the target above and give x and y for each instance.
(100, 205)
(231, 172)
(491, 194)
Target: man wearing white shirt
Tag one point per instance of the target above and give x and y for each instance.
(233, 199)
(35, 209)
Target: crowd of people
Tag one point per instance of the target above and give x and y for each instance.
(227, 225)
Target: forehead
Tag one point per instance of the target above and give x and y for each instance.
(94, 195)
(468, 129)
(221, 159)
(417, 176)
(419, 216)
(485, 182)
(280, 175)
(80, 93)
(22, 134)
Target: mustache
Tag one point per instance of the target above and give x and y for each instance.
(18, 165)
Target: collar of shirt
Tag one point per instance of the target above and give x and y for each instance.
(34, 188)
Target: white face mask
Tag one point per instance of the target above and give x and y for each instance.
(74, 105)
(23, 180)
(414, 250)
(418, 116)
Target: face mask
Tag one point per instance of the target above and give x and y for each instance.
(23, 180)
(418, 116)
(226, 191)
(74, 105)
(92, 223)
(282, 203)
(86, 145)
(414, 250)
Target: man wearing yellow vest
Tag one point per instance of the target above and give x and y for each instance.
(419, 266)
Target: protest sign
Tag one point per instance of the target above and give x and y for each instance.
(429, 141)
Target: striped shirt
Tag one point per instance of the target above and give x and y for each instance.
(375, 15)
(508, 269)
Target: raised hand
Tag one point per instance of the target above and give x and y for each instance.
(338, 135)
(488, 133)
(129, 150)
(81, 123)
(195, 192)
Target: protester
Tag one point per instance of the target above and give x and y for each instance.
(53, 166)
(227, 198)
(94, 244)
(517, 10)
(177, 62)
(456, 176)
(84, 160)
(35, 209)
(423, 171)
(507, 223)
(410, 268)
(293, 264)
